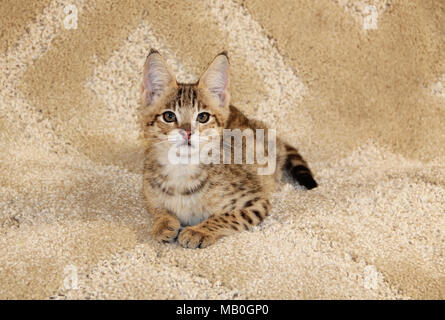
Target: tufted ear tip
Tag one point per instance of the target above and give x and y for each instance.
(153, 51)
(224, 53)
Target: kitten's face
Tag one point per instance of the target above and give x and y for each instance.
(184, 115)
(184, 119)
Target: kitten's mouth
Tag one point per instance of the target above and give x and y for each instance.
(186, 143)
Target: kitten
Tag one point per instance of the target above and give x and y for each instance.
(211, 200)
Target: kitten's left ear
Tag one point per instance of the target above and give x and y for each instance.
(216, 79)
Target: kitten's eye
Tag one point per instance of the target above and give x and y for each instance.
(203, 117)
(169, 116)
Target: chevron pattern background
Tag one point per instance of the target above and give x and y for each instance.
(365, 105)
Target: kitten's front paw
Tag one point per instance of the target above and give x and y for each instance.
(193, 237)
(166, 229)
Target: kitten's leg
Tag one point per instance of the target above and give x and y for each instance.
(165, 226)
(217, 226)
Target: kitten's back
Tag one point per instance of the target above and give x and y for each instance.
(288, 158)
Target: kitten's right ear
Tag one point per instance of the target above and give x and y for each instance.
(157, 78)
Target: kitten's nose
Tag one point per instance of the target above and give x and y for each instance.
(187, 134)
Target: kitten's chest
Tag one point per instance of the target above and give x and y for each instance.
(190, 210)
(185, 196)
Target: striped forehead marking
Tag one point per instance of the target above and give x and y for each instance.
(187, 96)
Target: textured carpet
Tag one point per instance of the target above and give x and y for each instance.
(358, 86)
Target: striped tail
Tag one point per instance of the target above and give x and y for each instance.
(298, 168)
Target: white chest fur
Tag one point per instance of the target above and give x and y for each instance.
(188, 208)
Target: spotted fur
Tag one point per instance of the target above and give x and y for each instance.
(209, 200)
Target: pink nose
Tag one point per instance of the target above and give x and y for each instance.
(186, 134)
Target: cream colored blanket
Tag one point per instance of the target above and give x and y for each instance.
(358, 86)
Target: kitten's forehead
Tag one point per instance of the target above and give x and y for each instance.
(186, 97)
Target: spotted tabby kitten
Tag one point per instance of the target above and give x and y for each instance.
(210, 200)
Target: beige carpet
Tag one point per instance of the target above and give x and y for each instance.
(358, 86)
